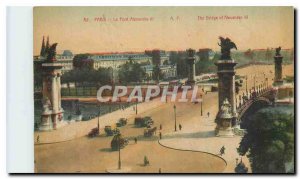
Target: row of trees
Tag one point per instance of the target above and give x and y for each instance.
(269, 141)
(85, 77)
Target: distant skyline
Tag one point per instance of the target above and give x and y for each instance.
(166, 28)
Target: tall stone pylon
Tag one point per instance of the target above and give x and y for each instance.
(52, 115)
(226, 88)
(278, 68)
(191, 66)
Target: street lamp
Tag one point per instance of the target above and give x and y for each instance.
(136, 107)
(254, 82)
(119, 147)
(246, 84)
(99, 113)
(201, 105)
(175, 116)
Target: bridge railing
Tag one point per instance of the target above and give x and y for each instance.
(248, 98)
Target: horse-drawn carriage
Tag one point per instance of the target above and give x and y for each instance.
(121, 122)
(148, 132)
(94, 132)
(143, 121)
(110, 132)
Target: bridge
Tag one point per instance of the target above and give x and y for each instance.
(262, 96)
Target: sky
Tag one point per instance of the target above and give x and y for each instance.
(81, 29)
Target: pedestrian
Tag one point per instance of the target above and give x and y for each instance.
(146, 161)
(135, 140)
(159, 135)
(222, 151)
(208, 114)
(160, 127)
(180, 127)
(38, 139)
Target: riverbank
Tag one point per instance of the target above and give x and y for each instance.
(78, 129)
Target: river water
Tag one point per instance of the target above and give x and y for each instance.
(88, 110)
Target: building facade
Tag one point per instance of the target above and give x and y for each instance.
(115, 60)
(169, 71)
(65, 60)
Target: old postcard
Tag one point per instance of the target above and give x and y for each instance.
(164, 90)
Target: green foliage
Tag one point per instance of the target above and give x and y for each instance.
(81, 61)
(131, 72)
(205, 66)
(155, 54)
(101, 76)
(157, 74)
(179, 58)
(269, 141)
(37, 75)
(201, 66)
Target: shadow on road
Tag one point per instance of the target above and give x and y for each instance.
(142, 138)
(106, 150)
(203, 134)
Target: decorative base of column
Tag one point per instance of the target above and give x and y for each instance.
(46, 124)
(224, 121)
(228, 132)
(52, 121)
(224, 128)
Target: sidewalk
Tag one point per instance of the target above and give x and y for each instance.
(200, 136)
(82, 128)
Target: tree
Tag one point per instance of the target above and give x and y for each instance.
(205, 66)
(157, 74)
(156, 60)
(87, 77)
(179, 58)
(81, 61)
(38, 75)
(42, 53)
(131, 72)
(269, 141)
(155, 54)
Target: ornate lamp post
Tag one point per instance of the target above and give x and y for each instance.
(175, 116)
(99, 113)
(201, 103)
(254, 82)
(246, 84)
(119, 147)
(136, 107)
